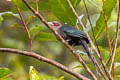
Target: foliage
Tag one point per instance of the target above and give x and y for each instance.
(107, 9)
(4, 72)
(34, 75)
(13, 35)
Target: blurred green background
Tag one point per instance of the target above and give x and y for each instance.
(13, 35)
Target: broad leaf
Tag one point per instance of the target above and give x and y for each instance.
(63, 12)
(75, 2)
(89, 65)
(93, 20)
(1, 19)
(35, 30)
(17, 2)
(100, 25)
(38, 34)
(47, 77)
(43, 5)
(43, 36)
(105, 53)
(14, 25)
(61, 78)
(4, 72)
(30, 18)
(117, 53)
(34, 74)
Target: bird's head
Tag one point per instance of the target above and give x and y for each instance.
(55, 24)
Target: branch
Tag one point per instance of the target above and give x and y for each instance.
(102, 73)
(108, 38)
(62, 40)
(107, 32)
(41, 58)
(26, 28)
(116, 37)
(99, 56)
(91, 26)
(37, 5)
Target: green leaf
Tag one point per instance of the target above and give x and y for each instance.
(118, 49)
(118, 76)
(62, 11)
(38, 35)
(105, 53)
(35, 30)
(42, 5)
(93, 20)
(75, 2)
(43, 36)
(16, 25)
(100, 25)
(17, 2)
(89, 65)
(117, 56)
(34, 74)
(103, 49)
(4, 72)
(47, 77)
(61, 78)
(1, 19)
(108, 6)
(30, 18)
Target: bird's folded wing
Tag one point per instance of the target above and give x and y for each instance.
(73, 32)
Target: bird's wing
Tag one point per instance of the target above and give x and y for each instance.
(70, 31)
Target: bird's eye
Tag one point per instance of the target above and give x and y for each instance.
(56, 24)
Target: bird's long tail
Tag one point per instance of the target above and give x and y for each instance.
(84, 44)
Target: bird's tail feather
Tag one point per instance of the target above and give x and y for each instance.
(84, 44)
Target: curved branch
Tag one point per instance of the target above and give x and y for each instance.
(41, 58)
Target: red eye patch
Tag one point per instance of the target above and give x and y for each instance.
(56, 24)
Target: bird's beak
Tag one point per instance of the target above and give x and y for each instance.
(50, 23)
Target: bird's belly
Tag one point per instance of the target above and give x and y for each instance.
(74, 42)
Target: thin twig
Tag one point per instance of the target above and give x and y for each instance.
(108, 38)
(44, 59)
(65, 43)
(37, 5)
(25, 26)
(116, 38)
(107, 32)
(99, 56)
(91, 26)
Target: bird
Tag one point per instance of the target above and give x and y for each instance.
(73, 36)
